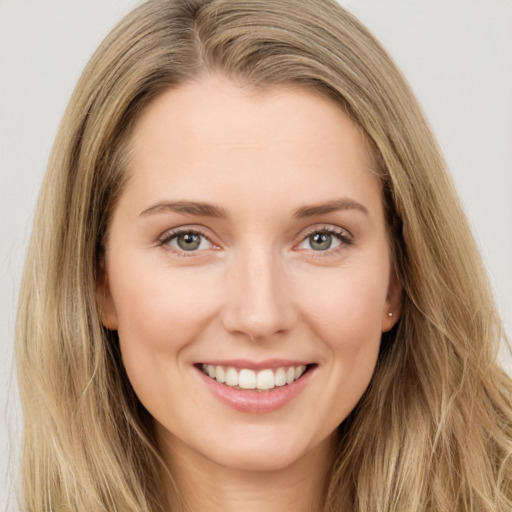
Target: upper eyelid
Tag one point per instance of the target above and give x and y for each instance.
(344, 236)
(171, 233)
(164, 242)
(345, 242)
(302, 235)
(329, 228)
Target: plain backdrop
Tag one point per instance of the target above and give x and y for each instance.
(457, 55)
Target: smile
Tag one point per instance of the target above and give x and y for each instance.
(256, 388)
(245, 378)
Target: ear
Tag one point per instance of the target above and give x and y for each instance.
(393, 307)
(107, 310)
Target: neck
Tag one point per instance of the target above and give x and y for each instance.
(204, 486)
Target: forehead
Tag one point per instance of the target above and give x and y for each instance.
(216, 110)
(213, 136)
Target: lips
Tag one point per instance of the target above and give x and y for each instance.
(255, 388)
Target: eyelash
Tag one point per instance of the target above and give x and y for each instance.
(342, 235)
(164, 240)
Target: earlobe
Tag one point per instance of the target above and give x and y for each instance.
(393, 307)
(106, 307)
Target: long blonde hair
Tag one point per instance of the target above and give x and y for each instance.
(433, 432)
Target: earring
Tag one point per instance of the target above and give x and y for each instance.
(390, 314)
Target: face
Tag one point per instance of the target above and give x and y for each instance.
(248, 272)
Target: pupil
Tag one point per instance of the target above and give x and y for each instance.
(189, 241)
(320, 241)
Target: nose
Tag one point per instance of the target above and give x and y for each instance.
(258, 303)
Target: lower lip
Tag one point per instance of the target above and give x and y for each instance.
(256, 402)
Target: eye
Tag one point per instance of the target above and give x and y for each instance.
(321, 240)
(188, 241)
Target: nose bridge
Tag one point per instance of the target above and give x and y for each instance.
(259, 302)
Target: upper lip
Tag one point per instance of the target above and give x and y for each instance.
(255, 365)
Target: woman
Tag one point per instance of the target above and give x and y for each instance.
(251, 283)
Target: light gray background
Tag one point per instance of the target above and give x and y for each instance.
(457, 55)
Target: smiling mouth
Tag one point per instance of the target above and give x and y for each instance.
(247, 379)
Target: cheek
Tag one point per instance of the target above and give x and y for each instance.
(160, 314)
(346, 318)
(160, 309)
(346, 305)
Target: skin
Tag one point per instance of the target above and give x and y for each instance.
(256, 289)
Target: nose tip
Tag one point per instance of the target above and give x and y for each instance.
(257, 326)
(258, 305)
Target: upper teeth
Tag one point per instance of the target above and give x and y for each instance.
(249, 379)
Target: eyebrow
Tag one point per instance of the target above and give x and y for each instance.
(329, 207)
(212, 210)
(188, 207)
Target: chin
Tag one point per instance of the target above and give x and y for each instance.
(270, 452)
